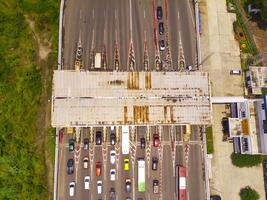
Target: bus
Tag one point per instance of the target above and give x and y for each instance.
(141, 175)
(125, 140)
(180, 182)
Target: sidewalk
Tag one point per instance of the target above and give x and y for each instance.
(220, 51)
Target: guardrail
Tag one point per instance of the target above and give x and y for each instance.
(59, 67)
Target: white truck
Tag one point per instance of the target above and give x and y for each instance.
(98, 60)
(125, 140)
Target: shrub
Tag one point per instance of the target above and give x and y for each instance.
(244, 160)
(248, 193)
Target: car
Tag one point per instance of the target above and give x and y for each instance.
(155, 186)
(154, 163)
(161, 45)
(71, 189)
(98, 138)
(112, 194)
(112, 156)
(156, 140)
(112, 138)
(112, 174)
(85, 143)
(235, 72)
(159, 12)
(85, 162)
(143, 143)
(70, 166)
(126, 164)
(71, 145)
(98, 169)
(128, 185)
(215, 197)
(161, 28)
(99, 185)
(87, 182)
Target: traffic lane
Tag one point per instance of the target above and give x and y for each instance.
(125, 174)
(166, 133)
(71, 28)
(123, 32)
(180, 156)
(178, 130)
(186, 21)
(154, 174)
(195, 135)
(168, 175)
(174, 29)
(195, 173)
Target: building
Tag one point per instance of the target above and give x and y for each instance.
(247, 126)
(256, 79)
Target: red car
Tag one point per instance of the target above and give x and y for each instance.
(98, 169)
(156, 140)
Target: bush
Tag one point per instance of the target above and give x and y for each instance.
(248, 193)
(244, 160)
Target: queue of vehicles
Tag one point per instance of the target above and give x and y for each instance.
(141, 182)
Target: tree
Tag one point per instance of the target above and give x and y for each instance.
(248, 193)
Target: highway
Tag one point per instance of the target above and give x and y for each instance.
(126, 31)
(131, 27)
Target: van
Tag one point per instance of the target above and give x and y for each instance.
(87, 182)
(99, 186)
(235, 72)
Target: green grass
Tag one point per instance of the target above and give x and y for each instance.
(22, 164)
(209, 139)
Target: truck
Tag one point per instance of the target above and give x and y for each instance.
(125, 140)
(98, 60)
(141, 178)
(180, 182)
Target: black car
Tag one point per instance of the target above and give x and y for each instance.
(161, 45)
(161, 28)
(155, 163)
(215, 197)
(70, 166)
(159, 12)
(85, 143)
(71, 145)
(98, 138)
(143, 143)
(112, 138)
(112, 194)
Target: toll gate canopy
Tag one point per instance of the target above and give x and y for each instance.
(86, 98)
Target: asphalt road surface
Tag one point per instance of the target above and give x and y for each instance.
(131, 27)
(127, 31)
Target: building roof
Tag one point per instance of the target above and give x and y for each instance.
(258, 78)
(105, 98)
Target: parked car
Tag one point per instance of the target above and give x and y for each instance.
(71, 145)
(161, 28)
(87, 182)
(235, 72)
(143, 143)
(99, 185)
(98, 138)
(85, 162)
(159, 12)
(85, 143)
(126, 164)
(112, 194)
(161, 45)
(215, 197)
(71, 189)
(112, 174)
(154, 163)
(112, 156)
(98, 169)
(128, 185)
(70, 166)
(156, 140)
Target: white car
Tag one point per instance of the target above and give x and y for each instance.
(85, 162)
(71, 188)
(87, 182)
(99, 186)
(112, 156)
(112, 174)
